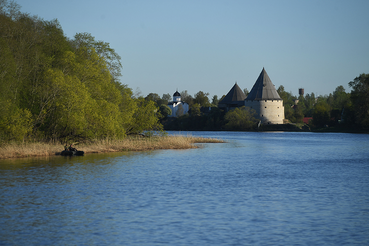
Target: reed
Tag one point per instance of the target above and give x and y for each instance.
(136, 143)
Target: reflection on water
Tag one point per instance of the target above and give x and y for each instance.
(257, 189)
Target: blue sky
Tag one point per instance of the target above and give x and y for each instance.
(209, 45)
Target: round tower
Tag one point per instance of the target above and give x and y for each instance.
(265, 100)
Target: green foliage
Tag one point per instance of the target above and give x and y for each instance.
(167, 98)
(55, 88)
(195, 110)
(15, 123)
(165, 110)
(240, 119)
(144, 117)
(202, 99)
(288, 102)
(215, 101)
(360, 99)
(321, 114)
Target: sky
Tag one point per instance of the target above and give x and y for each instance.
(169, 45)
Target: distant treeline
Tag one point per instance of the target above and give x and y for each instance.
(341, 110)
(52, 87)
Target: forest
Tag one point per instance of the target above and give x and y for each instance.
(58, 88)
(55, 88)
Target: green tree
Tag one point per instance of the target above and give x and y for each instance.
(202, 99)
(240, 119)
(187, 98)
(195, 110)
(321, 114)
(360, 99)
(215, 101)
(166, 97)
(165, 110)
(103, 50)
(144, 118)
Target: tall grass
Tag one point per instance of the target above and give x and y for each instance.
(14, 150)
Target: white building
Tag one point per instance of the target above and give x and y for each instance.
(265, 100)
(178, 107)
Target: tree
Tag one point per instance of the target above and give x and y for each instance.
(215, 101)
(288, 102)
(195, 110)
(202, 99)
(166, 97)
(144, 118)
(103, 50)
(240, 119)
(321, 114)
(360, 99)
(187, 98)
(165, 110)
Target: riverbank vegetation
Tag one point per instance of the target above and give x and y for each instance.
(131, 143)
(53, 87)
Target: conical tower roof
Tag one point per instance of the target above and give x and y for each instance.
(263, 89)
(234, 95)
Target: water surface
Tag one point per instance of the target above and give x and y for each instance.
(272, 188)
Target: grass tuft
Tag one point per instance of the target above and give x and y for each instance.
(133, 143)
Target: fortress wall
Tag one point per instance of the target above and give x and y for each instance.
(268, 111)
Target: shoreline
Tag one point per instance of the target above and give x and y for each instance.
(134, 144)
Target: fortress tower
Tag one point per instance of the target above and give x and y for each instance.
(264, 99)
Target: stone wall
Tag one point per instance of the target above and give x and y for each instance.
(268, 111)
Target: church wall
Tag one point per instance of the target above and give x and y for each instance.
(268, 111)
(174, 107)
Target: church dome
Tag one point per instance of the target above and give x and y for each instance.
(176, 94)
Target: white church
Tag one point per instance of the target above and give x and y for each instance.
(177, 106)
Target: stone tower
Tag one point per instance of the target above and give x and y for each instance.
(264, 99)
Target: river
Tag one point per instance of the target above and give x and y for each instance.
(258, 188)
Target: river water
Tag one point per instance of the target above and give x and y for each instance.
(271, 188)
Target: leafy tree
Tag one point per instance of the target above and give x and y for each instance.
(309, 104)
(202, 99)
(165, 110)
(360, 99)
(167, 98)
(103, 50)
(321, 114)
(215, 101)
(144, 118)
(187, 98)
(288, 102)
(195, 110)
(240, 119)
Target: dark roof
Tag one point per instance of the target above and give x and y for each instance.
(263, 89)
(234, 95)
(176, 94)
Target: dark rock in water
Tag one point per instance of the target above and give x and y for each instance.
(72, 153)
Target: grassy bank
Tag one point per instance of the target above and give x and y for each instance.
(17, 150)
